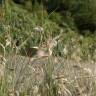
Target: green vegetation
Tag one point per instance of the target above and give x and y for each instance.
(65, 30)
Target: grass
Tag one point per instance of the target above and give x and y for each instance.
(68, 71)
